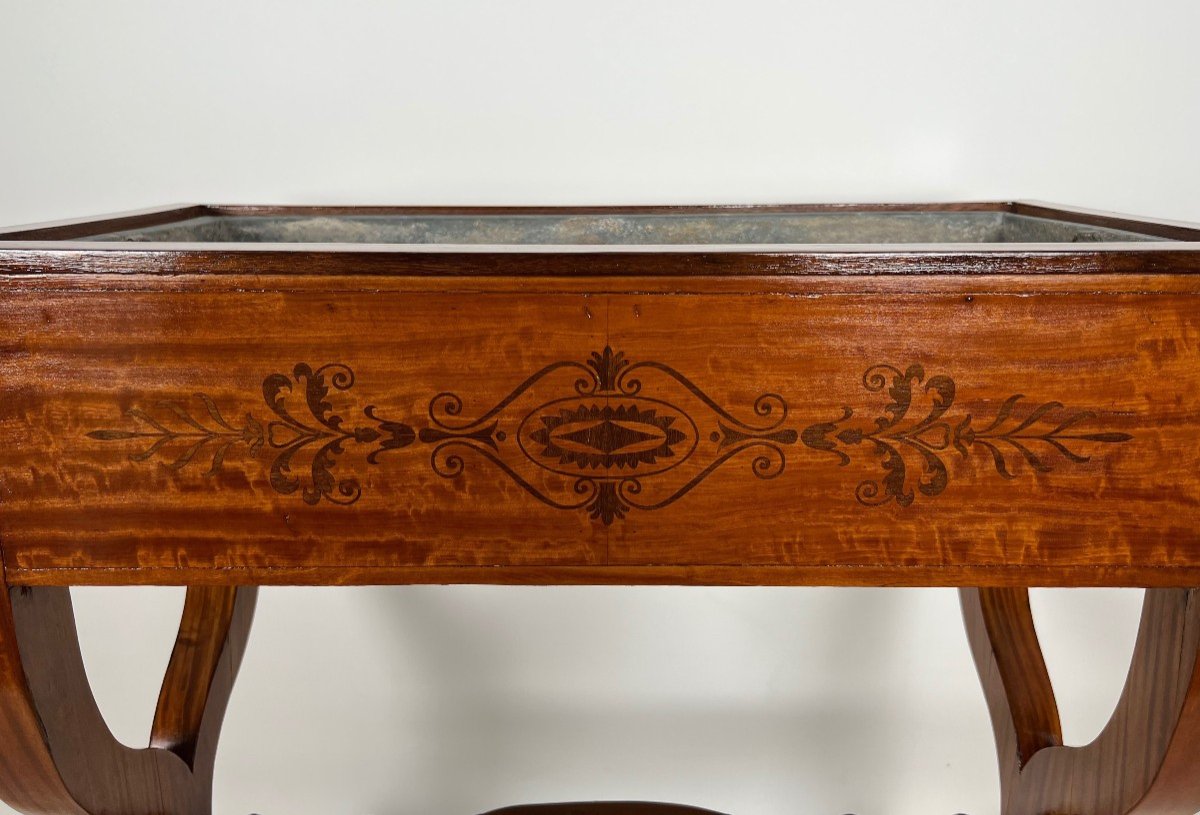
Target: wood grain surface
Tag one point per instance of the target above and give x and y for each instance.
(1144, 760)
(921, 415)
(986, 416)
(109, 382)
(58, 754)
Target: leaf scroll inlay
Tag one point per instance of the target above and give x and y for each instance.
(1045, 436)
(616, 433)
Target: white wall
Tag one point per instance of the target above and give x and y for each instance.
(454, 700)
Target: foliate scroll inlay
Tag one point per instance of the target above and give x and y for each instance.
(1042, 438)
(607, 436)
(304, 427)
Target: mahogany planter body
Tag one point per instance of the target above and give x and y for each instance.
(992, 413)
(984, 395)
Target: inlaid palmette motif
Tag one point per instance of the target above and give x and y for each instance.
(607, 436)
(1046, 433)
(318, 431)
(323, 431)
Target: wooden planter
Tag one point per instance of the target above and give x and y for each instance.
(989, 396)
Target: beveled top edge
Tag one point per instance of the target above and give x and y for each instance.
(112, 222)
(65, 230)
(313, 267)
(80, 247)
(63, 234)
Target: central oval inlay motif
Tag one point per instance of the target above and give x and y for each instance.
(614, 438)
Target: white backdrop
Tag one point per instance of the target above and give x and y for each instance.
(416, 701)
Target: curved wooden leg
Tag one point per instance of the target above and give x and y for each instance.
(58, 756)
(1146, 761)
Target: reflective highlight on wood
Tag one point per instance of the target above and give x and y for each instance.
(58, 755)
(1143, 762)
(609, 438)
(556, 408)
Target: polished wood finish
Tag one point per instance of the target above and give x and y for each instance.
(843, 270)
(1143, 762)
(58, 755)
(80, 227)
(987, 416)
(200, 674)
(75, 360)
(1175, 230)
(1006, 622)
